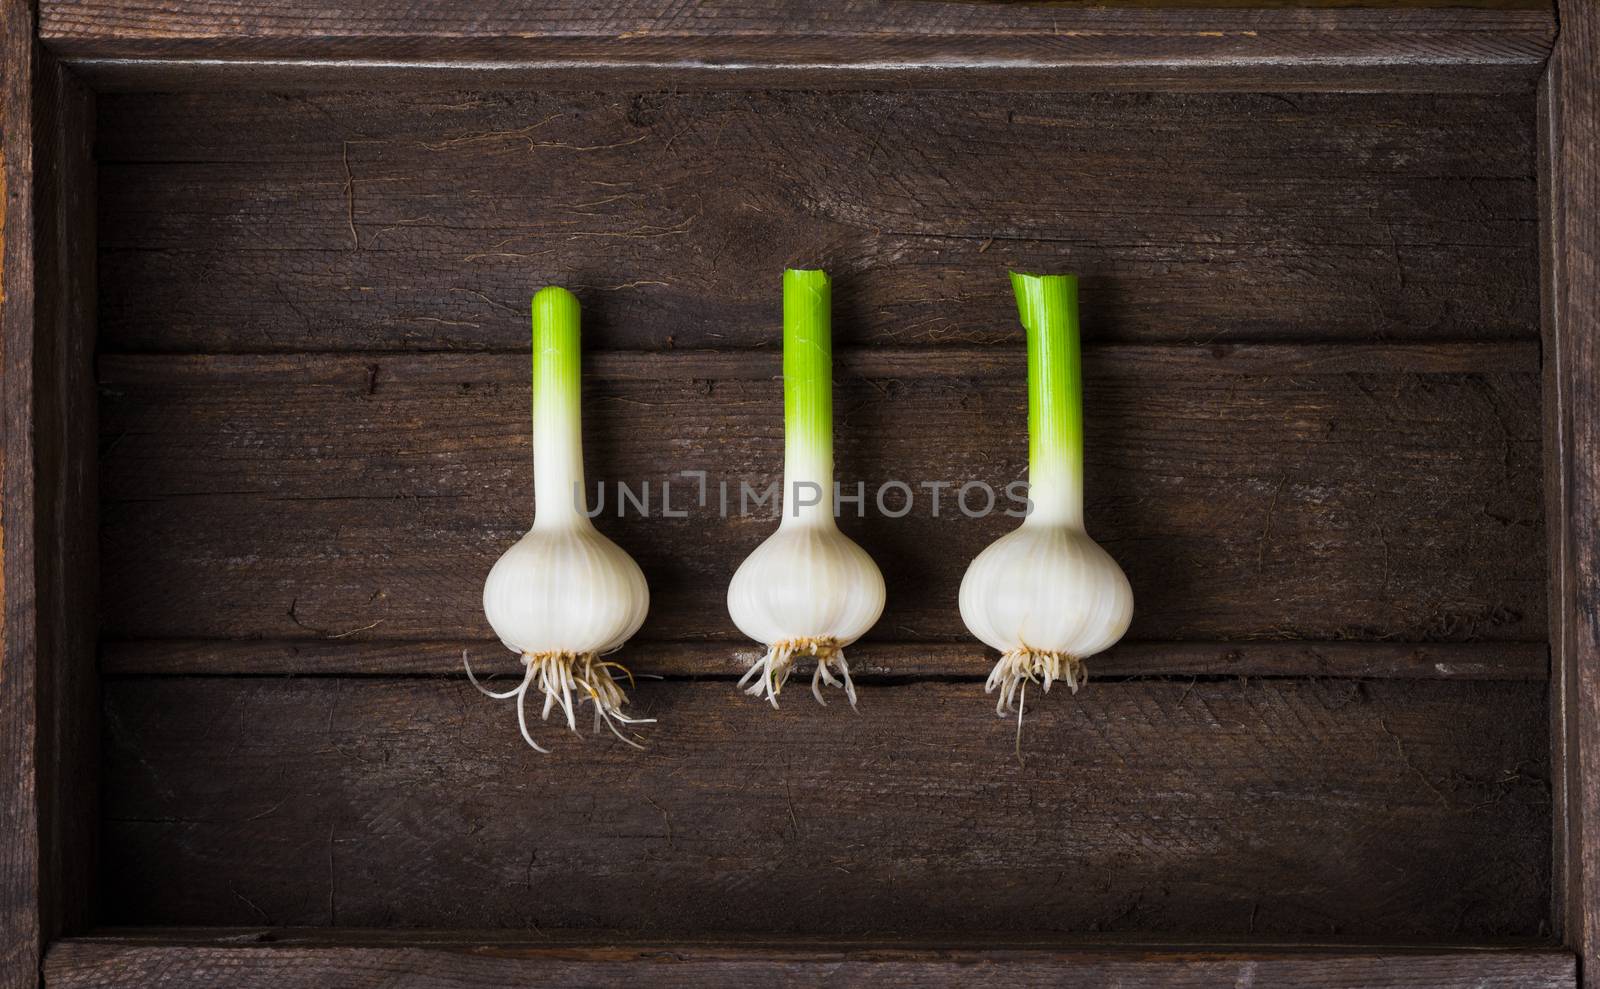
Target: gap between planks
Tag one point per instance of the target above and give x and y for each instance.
(603, 939)
(1260, 359)
(1518, 661)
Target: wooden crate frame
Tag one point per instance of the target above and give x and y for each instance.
(54, 56)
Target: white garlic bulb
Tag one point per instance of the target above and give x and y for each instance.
(1046, 595)
(808, 590)
(563, 595)
(564, 587)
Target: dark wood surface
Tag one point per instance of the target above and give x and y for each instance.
(48, 744)
(365, 496)
(65, 500)
(1322, 376)
(465, 965)
(1401, 808)
(269, 222)
(1571, 105)
(1388, 45)
(23, 925)
(1314, 401)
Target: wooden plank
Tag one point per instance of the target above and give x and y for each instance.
(366, 496)
(66, 495)
(399, 222)
(48, 746)
(1571, 110)
(1272, 807)
(87, 964)
(1478, 45)
(23, 923)
(1563, 749)
(300, 657)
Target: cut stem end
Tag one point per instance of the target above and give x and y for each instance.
(567, 680)
(767, 675)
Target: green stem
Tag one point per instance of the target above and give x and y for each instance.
(558, 493)
(1048, 307)
(807, 396)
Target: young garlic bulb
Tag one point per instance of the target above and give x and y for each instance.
(808, 590)
(1046, 595)
(564, 594)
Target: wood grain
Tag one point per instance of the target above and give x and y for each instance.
(365, 496)
(79, 963)
(48, 746)
(405, 657)
(764, 43)
(48, 688)
(267, 222)
(67, 573)
(1418, 807)
(1401, 808)
(1571, 108)
(23, 923)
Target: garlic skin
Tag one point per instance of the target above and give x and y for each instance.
(1046, 595)
(565, 588)
(563, 594)
(808, 590)
(809, 576)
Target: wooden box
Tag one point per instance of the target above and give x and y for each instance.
(265, 428)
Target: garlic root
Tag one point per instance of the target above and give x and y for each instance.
(1023, 666)
(567, 680)
(772, 670)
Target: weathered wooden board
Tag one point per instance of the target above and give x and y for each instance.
(340, 510)
(23, 915)
(1570, 107)
(268, 222)
(85, 22)
(1401, 808)
(48, 747)
(1447, 45)
(367, 495)
(464, 965)
(64, 586)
